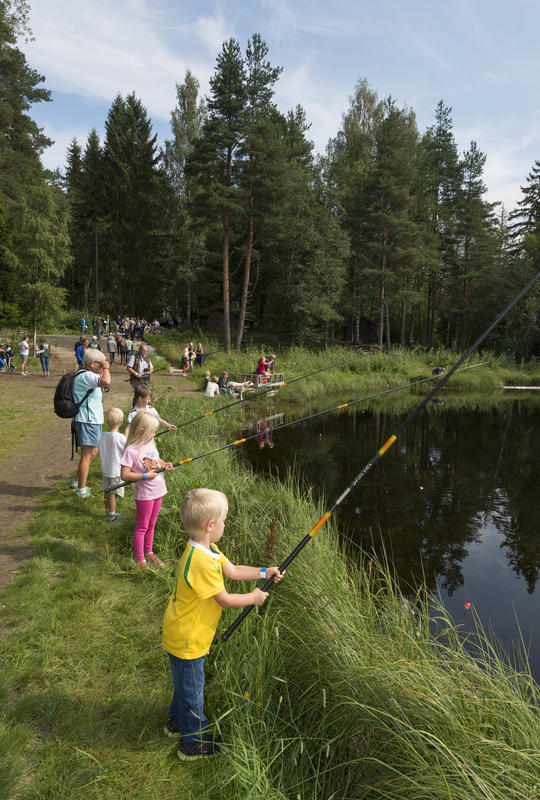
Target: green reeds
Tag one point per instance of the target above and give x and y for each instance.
(339, 687)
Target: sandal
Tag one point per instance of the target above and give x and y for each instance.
(154, 560)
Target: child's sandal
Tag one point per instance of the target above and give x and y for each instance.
(154, 560)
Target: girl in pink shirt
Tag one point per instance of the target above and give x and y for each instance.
(138, 463)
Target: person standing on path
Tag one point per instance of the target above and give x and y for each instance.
(44, 352)
(111, 347)
(79, 353)
(89, 419)
(24, 351)
(139, 367)
(9, 356)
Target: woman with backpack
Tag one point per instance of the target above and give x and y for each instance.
(89, 418)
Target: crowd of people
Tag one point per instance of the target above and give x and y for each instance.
(43, 351)
(133, 328)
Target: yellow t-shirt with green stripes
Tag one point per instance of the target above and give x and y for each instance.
(192, 616)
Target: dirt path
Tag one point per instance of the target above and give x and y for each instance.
(43, 451)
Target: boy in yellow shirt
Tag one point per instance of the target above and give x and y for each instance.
(193, 613)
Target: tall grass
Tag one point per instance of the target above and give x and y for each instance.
(337, 688)
(362, 369)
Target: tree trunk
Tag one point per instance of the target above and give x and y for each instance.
(188, 304)
(97, 267)
(432, 293)
(387, 319)
(247, 268)
(403, 319)
(226, 296)
(382, 295)
(464, 316)
(226, 243)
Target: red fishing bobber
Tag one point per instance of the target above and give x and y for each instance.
(467, 604)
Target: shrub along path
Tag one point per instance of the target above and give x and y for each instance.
(36, 444)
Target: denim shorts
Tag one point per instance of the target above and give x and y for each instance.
(88, 434)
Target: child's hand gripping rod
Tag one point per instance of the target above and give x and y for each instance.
(379, 454)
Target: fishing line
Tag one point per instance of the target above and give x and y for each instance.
(259, 394)
(378, 455)
(288, 424)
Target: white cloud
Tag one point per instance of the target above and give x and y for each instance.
(509, 157)
(55, 156)
(323, 104)
(212, 31)
(98, 49)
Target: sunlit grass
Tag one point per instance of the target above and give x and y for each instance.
(338, 687)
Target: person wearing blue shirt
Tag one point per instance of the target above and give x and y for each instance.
(89, 418)
(79, 353)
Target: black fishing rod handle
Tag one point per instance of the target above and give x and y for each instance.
(241, 617)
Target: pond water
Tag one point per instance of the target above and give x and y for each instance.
(455, 502)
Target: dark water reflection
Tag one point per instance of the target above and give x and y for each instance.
(455, 502)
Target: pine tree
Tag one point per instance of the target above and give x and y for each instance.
(392, 234)
(441, 178)
(477, 243)
(34, 240)
(349, 161)
(132, 212)
(256, 162)
(224, 132)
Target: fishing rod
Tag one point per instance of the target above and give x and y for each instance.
(288, 425)
(271, 388)
(148, 376)
(378, 455)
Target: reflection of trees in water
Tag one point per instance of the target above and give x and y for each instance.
(431, 520)
(517, 521)
(472, 466)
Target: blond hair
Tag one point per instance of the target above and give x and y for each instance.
(142, 428)
(114, 417)
(199, 506)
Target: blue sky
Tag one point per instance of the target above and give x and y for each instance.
(479, 56)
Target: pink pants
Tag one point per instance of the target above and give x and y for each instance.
(143, 535)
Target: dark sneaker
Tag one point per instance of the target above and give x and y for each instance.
(189, 751)
(172, 728)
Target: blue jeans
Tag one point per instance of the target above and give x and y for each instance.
(44, 363)
(188, 701)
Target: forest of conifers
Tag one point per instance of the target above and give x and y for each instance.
(236, 214)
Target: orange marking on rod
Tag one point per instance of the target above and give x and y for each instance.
(208, 413)
(344, 405)
(320, 523)
(387, 445)
(186, 460)
(239, 441)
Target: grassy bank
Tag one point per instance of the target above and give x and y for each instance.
(362, 369)
(335, 689)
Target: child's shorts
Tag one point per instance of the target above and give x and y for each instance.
(113, 482)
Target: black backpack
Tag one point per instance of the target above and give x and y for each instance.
(64, 404)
